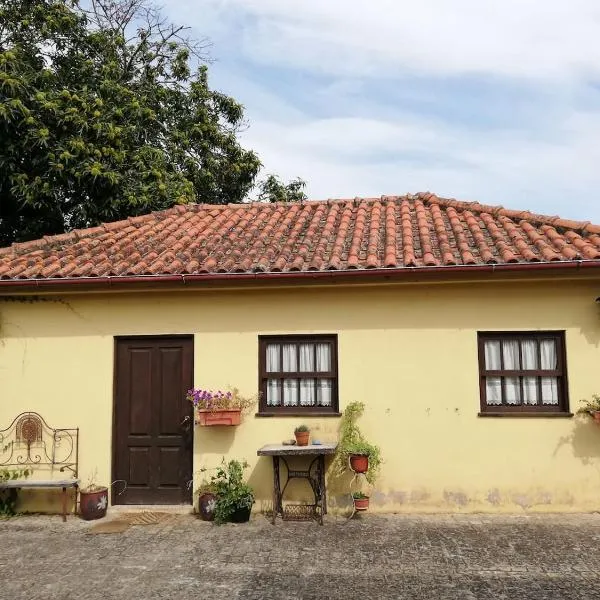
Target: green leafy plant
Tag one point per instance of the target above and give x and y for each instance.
(8, 497)
(590, 405)
(352, 442)
(359, 496)
(232, 492)
(301, 429)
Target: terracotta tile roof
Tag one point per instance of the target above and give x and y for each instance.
(393, 232)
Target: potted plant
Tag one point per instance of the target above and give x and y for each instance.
(591, 407)
(361, 501)
(93, 500)
(354, 452)
(302, 433)
(234, 497)
(218, 407)
(207, 502)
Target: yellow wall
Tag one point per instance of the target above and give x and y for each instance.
(409, 352)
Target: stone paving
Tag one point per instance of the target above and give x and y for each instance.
(383, 557)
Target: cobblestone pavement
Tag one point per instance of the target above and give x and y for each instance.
(381, 557)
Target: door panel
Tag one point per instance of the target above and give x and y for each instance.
(152, 449)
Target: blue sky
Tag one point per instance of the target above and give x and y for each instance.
(495, 101)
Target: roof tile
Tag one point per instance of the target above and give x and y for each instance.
(412, 231)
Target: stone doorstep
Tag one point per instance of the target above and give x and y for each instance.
(177, 509)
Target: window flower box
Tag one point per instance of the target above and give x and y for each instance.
(225, 416)
(217, 408)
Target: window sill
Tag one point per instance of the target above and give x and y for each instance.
(528, 415)
(299, 414)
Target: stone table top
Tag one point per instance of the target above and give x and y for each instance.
(311, 449)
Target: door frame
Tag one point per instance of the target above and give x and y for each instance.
(141, 337)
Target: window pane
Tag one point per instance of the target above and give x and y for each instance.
(549, 355)
(529, 349)
(273, 393)
(290, 361)
(493, 386)
(530, 390)
(307, 392)
(510, 353)
(273, 358)
(492, 355)
(324, 388)
(290, 392)
(323, 358)
(549, 390)
(307, 358)
(512, 388)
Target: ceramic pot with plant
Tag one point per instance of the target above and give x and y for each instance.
(302, 433)
(359, 463)
(354, 452)
(234, 497)
(207, 501)
(361, 501)
(591, 407)
(93, 500)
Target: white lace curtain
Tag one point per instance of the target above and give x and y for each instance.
(523, 355)
(299, 358)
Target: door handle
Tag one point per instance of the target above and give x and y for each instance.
(185, 420)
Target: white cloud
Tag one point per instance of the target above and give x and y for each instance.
(526, 38)
(505, 169)
(543, 156)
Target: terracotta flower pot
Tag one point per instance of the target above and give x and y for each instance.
(359, 463)
(226, 416)
(596, 415)
(206, 506)
(361, 503)
(302, 438)
(93, 505)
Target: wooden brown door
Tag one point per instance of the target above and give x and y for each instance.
(153, 421)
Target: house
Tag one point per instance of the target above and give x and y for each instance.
(470, 332)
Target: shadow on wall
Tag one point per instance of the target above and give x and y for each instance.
(46, 501)
(584, 440)
(214, 440)
(591, 333)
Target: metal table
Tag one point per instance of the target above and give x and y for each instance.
(315, 475)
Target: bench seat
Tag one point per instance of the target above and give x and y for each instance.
(63, 484)
(30, 444)
(43, 483)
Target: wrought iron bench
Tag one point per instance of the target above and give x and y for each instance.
(30, 443)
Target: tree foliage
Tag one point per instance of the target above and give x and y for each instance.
(272, 189)
(103, 116)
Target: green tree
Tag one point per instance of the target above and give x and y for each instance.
(272, 189)
(103, 116)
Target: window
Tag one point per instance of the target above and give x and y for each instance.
(523, 372)
(298, 374)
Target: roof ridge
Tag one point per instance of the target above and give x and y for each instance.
(428, 198)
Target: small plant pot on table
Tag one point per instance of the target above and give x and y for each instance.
(302, 434)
